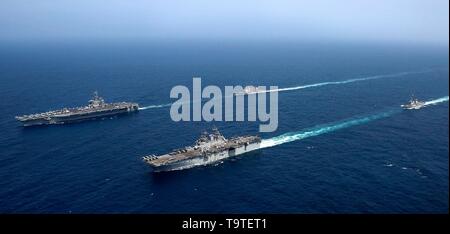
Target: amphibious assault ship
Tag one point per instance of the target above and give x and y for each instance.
(209, 148)
(413, 104)
(97, 108)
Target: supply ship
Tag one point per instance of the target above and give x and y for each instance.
(97, 108)
(209, 148)
(249, 90)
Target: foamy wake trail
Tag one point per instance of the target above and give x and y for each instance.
(162, 105)
(331, 127)
(437, 101)
(344, 81)
(322, 129)
(154, 106)
(317, 85)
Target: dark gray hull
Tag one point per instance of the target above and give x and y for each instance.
(202, 160)
(63, 119)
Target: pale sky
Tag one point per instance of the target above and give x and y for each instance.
(409, 21)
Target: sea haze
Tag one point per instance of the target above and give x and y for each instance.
(397, 163)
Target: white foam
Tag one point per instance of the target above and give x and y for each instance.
(319, 130)
(437, 101)
(154, 106)
(343, 82)
(316, 85)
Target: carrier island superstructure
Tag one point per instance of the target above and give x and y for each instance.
(209, 148)
(97, 108)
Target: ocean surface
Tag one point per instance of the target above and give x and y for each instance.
(343, 144)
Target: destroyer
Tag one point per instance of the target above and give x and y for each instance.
(209, 148)
(97, 108)
(413, 104)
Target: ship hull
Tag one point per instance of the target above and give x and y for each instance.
(407, 107)
(205, 160)
(63, 119)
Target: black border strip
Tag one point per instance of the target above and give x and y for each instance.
(173, 222)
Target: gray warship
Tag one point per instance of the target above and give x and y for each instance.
(249, 90)
(413, 104)
(209, 148)
(97, 108)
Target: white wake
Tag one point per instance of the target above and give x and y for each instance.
(154, 106)
(322, 129)
(317, 85)
(342, 82)
(331, 127)
(437, 101)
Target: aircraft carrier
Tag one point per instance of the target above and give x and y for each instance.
(209, 148)
(97, 108)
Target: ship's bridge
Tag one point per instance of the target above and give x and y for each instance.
(96, 101)
(209, 140)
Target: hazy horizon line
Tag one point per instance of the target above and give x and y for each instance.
(224, 41)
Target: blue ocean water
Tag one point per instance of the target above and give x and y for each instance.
(341, 147)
